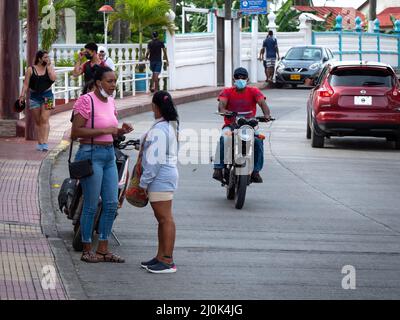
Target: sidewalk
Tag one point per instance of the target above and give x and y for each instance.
(25, 235)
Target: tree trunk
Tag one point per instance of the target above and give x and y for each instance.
(228, 9)
(9, 58)
(125, 31)
(173, 5)
(372, 10)
(116, 32)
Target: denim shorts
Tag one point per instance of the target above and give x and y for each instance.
(156, 66)
(37, 99)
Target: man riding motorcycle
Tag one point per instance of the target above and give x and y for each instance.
(241, 98)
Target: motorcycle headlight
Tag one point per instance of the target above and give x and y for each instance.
(246, 133)
(315, 66)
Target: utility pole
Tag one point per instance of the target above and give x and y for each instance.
(372, 15)
(32, 46)
(9, 65)
(228, 43)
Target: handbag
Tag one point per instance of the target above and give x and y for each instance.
(135, 195)
(19, 106)
(84, 168)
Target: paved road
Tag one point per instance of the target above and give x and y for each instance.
(317, 211)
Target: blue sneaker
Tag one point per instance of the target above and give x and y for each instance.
(39, 147)
(45, 147)
(151, 262)
(162, 267)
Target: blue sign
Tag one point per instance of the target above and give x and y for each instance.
(253, 6)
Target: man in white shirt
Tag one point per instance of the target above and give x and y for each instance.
(105, 58)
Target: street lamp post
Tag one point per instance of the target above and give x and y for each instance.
(106, 10)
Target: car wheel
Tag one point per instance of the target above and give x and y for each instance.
(308, 135)
(279, 85)
(317, 141)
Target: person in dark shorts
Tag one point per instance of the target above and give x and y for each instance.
(270, 52)
(155, 51)
(38, 79)
(88, 68)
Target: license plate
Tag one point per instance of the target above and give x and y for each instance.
(363, 101)
(295, 77)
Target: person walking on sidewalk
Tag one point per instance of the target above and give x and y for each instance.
(38, 79)
(88, 69)
(271, 52)
(160, 178)
(155, 48)
(97, 144)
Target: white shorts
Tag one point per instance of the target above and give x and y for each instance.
(160, 196)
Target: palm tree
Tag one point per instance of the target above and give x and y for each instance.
(49, 35)
(143, 14)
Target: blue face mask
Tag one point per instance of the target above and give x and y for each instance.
(240, 84)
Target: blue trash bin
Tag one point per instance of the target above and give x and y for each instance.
(140, 86)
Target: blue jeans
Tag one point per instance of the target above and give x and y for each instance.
(258, 151)
(104, 183)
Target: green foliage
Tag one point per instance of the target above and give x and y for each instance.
(287, 18)
(65, 63)
(143, 15)
(49, 35)
(90, 24)
(263, 23)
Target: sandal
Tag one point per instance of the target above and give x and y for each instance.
(89, 257)
(110, 257)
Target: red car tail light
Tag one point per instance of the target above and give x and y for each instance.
(326, 90)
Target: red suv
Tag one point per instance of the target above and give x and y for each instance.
(354, 99)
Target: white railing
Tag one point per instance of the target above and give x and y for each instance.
(68, 87)
(117, 52)
(127, 76)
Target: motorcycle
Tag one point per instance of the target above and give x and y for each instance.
(237, 170)
(70, 198)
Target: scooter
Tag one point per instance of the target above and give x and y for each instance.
(70, 198)
(238, 168)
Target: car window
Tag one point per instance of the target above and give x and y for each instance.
(330, 54)
(303, 53)
(361, 78)
(322, 75)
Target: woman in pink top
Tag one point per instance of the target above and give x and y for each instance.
(104, 181)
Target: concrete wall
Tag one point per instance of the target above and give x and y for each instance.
(192, 60)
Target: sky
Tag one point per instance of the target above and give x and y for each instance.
(339, 3)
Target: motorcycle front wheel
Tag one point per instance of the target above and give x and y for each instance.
(241, 191)
(231, 187)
